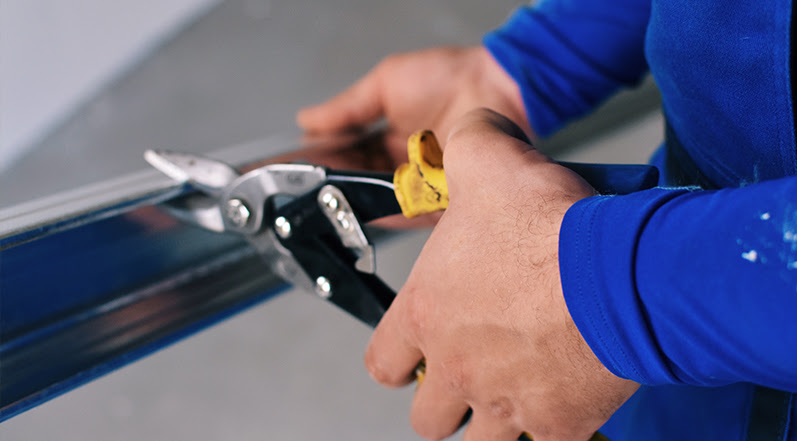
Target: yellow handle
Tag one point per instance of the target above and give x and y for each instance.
(421, 188)
(420, 185)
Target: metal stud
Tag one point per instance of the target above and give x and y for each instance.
(323, 287)
(237, 212)
(343, 220)
(283, 227)
(330, 201)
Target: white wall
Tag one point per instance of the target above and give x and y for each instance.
(56, 54)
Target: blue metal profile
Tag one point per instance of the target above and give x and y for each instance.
(85, 301)
(96, 278)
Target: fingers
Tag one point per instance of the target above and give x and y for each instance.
(436, 411)
(391, 358)
(358, 106)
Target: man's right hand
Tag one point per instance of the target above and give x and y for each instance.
(428, 89)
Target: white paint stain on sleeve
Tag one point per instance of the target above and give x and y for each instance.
(751, 255)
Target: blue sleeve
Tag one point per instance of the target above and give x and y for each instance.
(670, 286)
(569, 55)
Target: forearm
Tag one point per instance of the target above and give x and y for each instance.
(568, 56)
(678, 287)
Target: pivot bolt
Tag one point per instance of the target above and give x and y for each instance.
(237, 212)
(330, 201)
(343, 221)
(283, 227)
(324, 287)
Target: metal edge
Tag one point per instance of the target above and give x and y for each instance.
(69, 209)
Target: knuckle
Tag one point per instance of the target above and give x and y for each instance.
(501, 408)
(380, 372)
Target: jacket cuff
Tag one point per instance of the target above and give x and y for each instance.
(597, 250)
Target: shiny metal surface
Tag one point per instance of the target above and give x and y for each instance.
(238, 213)
(208, 175)
(283, 227)
(66, 209)
(86, 300)
(258, 186)
(337, 209)
(254, 189)
(41, 217)
(323, 287)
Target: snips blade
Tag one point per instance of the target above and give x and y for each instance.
(207, 175)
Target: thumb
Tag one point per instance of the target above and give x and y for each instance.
(488, 121)
(356, 107)
(486, 147)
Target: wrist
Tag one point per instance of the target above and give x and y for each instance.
(494, 79)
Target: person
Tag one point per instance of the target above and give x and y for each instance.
(665, 314)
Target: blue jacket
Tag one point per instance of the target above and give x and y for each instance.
(691, 292)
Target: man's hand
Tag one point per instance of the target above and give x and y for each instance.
(484, 305)
(428, 89)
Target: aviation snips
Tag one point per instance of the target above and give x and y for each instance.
(306, 221)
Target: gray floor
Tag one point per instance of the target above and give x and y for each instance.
(290, 368)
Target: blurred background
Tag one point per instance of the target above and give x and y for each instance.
(86, 86)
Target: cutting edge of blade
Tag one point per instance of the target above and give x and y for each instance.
(206, 174)
(158, 159)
